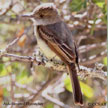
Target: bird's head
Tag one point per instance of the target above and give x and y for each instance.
(44, 14)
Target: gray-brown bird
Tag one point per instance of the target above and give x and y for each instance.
(55, 37)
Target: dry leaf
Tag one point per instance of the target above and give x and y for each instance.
(1, 96)
(22, 41)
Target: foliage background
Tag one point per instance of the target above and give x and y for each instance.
(87, 20)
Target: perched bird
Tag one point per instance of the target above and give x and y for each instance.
(55, 37)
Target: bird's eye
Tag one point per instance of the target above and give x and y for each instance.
(41, 16)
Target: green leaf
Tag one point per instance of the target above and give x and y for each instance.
(105, 61)
(49, 105)
(85, 3)
(77, 5)
(104, 10)
(100, 4)
(67, 83)
(87, 90)
(3, 70)
(1, 67)
(22, 73)
(97, 1)
(25, 80)
(5, 92)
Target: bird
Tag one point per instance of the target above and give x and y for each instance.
(55, 39)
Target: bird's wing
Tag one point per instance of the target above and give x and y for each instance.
(58, 35)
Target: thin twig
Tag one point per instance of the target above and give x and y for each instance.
(19, 58)
(55, 101)
(94, 59)
(3, 12)
(57, 66)
(86, 48)
(25, 87)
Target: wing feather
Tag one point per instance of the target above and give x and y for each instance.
(56, 35)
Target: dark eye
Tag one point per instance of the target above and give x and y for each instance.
(41, 16)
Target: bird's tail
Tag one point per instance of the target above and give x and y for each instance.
(75, 84)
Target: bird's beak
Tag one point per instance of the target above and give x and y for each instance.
(29, 15)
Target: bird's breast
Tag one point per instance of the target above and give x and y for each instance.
(45, 48)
